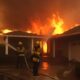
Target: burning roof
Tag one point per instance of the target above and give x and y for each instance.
(24, 34)
(20, 33)
(72, 32)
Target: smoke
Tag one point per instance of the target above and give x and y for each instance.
(69, 9)
(20, 12)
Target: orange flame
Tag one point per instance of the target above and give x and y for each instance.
(6, 31)
(51, 27)
(28, 31)
(45, 47)
(39, 28)
(36, 27)
(57, 22)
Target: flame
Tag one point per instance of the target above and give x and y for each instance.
(6, 31)
(50, 27)
(28, 31)
(45, 47)
(36, 27)
(57, 22)
(39, 28)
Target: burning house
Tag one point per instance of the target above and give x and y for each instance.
(36, 32)
(12, 39)
(62, 47)
(51, 27)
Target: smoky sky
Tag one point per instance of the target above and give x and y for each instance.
(19, 13)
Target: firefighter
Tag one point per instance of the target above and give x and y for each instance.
(20, 54)
(36, 59)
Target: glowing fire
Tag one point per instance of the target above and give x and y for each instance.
(57, 22)
(51, 27)
(45, 47)
(6, 31)
(39, 28)
(28, 31)
(36, 27)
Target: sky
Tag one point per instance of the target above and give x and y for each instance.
(18, 14)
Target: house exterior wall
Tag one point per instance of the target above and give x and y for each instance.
(58, 47)
(61, 48)
(68, 47)
(75, 50)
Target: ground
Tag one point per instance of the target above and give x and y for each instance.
(49, 70)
